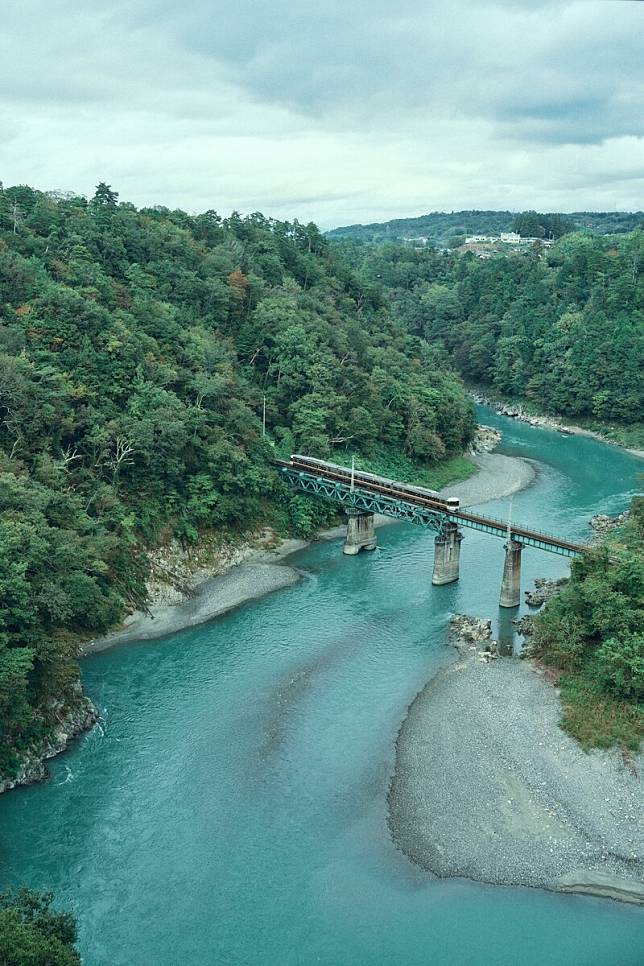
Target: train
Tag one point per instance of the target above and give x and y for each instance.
(431, 499)
(372, 480)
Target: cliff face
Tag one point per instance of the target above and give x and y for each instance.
(65, 720)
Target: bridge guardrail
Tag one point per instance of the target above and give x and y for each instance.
(437, 514)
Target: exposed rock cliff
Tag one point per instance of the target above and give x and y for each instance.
(66, 720)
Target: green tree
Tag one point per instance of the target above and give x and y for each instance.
(592, 632)
(104, 196)
(32, 934)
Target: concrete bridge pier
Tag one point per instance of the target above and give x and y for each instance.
(511, 584)
(361, 534)
(447, 555)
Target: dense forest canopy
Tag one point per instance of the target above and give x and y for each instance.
(531, 224)
(137, 349)
(34, 934)
(593, 633)
(562, 326)
(439, 226)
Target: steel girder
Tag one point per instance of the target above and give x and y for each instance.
(365, 501)
(368, 502)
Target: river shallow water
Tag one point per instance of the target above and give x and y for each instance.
(231, 806)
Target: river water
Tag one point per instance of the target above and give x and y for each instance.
(231, 807)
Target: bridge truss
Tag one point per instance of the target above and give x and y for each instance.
(420, 512)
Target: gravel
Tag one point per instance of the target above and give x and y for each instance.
(498, 476)
(487, 786)
(212, 597)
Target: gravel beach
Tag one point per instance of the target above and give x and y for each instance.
(212, 597)
(264, 571)
(488, 787)
(497, 476)
(261, 572)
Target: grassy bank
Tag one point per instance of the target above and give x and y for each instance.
(597, 719)
(397, 466)
(631, 436)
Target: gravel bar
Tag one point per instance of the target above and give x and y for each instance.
(488, 787)
(498, 476)
(212, 597)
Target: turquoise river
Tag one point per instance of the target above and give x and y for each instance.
(231, 806)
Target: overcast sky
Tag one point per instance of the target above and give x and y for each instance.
(334, 111)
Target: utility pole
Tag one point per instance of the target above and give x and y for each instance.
(353, 473)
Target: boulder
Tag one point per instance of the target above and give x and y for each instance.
(544, 590)
(601, 523)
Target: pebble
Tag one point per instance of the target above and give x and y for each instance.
(470, 738)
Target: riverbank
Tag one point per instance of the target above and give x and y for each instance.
(498, 476)
(556, 423)
(248, 573)
(487, 786)
(254, 569)
(191, 588)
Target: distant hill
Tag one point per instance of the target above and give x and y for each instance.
(439, 226)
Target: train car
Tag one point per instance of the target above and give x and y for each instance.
(342, 470)
(361, 476)
(421, 491)
(315, 463)
(374, 478)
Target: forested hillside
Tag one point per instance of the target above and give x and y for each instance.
(439, 226)
(436, 226)
(136, 351)
(562, 327)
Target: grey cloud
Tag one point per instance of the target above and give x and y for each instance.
(565, 66)
(327, 106)
(550, 72)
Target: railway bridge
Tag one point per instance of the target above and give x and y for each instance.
(364, 494)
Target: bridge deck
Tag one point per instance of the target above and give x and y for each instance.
(373, 497)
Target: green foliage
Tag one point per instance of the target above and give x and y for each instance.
(137, 351)
(593, 632)
(564, 331)
(438, 226)
(531, 224)
(620, 666)
(32, 934)
(396, 466)
(305, 516)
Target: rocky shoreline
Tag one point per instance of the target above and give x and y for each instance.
(517, 411)
(188, 588)
(544, 590)
(72, 718)
(488, 787)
